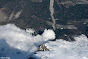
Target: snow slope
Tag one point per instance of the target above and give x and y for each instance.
(65, 50)
(20, 44)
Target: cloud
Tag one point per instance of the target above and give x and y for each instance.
(20, 44)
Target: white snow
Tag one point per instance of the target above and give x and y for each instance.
(18, 14)
(52, 13)
(29, 30)
(61, 49)
(47, 35)
(19, 44)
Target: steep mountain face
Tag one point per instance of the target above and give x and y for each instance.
(26, 14)
(64, 16)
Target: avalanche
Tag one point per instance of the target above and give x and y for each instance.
(20, 44)
(60, 49)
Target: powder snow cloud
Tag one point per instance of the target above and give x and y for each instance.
(20, 44)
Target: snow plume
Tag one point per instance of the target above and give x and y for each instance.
(19, 44)
(47, 35)
(65, 50)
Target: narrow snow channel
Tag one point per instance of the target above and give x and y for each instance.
(52, 13)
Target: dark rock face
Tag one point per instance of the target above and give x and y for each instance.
(71, 17)
(33, 14)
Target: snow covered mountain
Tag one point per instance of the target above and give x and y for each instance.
(42, 14)
(27, 24)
